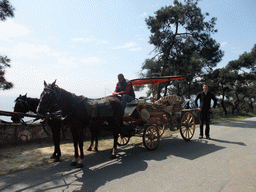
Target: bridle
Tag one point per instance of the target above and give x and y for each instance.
(53, 96)
(22, 101)
(19, 100)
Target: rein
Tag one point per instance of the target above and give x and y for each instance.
(21, 119)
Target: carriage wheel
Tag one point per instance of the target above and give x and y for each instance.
(121, 140)
(151, 137)
(187, 129)
(161, 130)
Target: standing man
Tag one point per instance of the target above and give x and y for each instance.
(205, 109)
(124, 89)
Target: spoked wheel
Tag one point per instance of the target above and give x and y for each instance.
(187, 129)
(121, 140)
(151, 137)
(161, 130)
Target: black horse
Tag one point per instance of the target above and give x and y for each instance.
(80, 112)
(24, 104)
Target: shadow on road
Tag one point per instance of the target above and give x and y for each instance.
(230, 142)
(99, 169)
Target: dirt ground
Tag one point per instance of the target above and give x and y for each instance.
(25, 156)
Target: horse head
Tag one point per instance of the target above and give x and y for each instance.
(21, 106)
(48, 98)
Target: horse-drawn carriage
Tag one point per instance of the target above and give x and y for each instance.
(151, 119)
(140, 117)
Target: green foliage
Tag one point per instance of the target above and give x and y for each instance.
(4, 62)
(236, 83)
(183, 46)
(181, 35)
(6, 10)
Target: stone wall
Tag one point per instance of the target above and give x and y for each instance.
(15, 133)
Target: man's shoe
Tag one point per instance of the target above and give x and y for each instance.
(208, 137)
(200, 137)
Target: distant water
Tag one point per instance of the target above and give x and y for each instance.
(7, 104)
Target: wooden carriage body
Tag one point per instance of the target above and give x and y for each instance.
(151, 119)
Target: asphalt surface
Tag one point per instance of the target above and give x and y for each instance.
(227, 162)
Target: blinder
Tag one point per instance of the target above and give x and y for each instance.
(48, 102)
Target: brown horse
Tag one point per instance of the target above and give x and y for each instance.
(24, 104)
(80, 112)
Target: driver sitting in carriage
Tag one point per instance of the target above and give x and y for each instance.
(124, 90)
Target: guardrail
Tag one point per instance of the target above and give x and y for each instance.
(8, 113)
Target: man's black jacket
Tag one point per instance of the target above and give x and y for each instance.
(205, 101)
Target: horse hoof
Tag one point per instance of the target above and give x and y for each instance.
(112, 156)
(79, 165)
(89, 149)
(57, 159)
(53, 157)
(73, 163)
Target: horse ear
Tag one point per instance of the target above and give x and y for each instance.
(45, 84)
(26, 95)
(53, 84)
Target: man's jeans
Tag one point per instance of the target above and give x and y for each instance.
(205, 117)
(125, 98)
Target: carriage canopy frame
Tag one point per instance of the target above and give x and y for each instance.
(155, 80)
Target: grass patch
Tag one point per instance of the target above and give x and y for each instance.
(236, 117)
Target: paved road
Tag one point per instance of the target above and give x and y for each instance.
(225, 163)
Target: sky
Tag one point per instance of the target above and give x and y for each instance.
(86, 44)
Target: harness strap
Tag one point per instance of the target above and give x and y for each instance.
(47, 88)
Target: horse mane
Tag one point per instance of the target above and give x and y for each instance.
(75, 98)
(33, 99)
(66, 100)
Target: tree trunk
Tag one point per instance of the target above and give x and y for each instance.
(251, 108)
(223, 106)
(222, 102)
(161, 75)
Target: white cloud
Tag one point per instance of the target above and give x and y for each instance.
(223, 44)
(67, 62)
(144, 14)
(85, 40)
(90, 60)
(135, 49)
(29, 50)
(3, 49)
(12, 30)
(55, 54)
(126, 46)
(104, 42)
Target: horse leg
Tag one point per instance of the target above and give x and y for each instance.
(54, 142)
(94, 136)
(114, 149)
(81, 144)
(91, 145)
(55, 127)
(80, 162)
(115, 128)
(96, 144)
(57, 146)
(75, 142)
